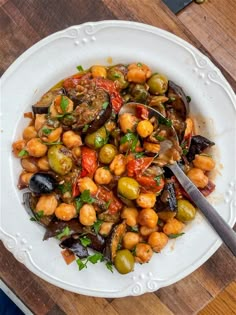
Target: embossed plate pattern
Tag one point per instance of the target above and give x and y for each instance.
(56, 57)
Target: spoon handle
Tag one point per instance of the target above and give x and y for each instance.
(218, 223)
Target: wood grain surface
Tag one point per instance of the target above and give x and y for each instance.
(210, 27)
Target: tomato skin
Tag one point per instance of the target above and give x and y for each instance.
(110, 87)
(138, 166)
(106, 196)
(149, 184)
(74, 80)
(89, 162)
(142, 112)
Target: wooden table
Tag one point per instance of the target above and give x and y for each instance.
(211, 27)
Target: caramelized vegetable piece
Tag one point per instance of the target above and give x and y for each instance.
(114, 240)
(74, 244)
(197, 146)
(55, 227)
(167, 200)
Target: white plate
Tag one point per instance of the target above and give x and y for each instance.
(56, 57)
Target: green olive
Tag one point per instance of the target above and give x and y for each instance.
(107, 153)
(124, 261)
(59, 158)
(185, 210)
(128, 188)
(139, 93)
(117, 73)
(96, 139)
(158, 84)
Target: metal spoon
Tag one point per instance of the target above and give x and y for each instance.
(227, 234)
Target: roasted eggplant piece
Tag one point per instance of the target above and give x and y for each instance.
(55, 227)
(198, 145)
(167, 200)
(93, 112)
(97, 242)
(42, 183)
(114, 240)
(73, 243)
(41, 107)
(29, 202)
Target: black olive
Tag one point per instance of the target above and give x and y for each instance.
(42, 183)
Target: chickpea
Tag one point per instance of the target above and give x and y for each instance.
(143, 253)
(58, 103)
(29, 164)
(17, 146)
(197, 176)
(76, 152)
(128, 122)
(148, 217)
(157, 240)
(138, 73)
(24, 180)
(43, 163)
(40, 120)
(102, 176)
(130, 240)
(71, 139)
(99, 71)
(204, 162)
(65, 212)
(151, 147)
(87, 183)
(118, 165)
(173, 226)
(146, 200)
(29, 133)
(144, 128)
(53, 136)
(36, 148)
(146, 231)
(47, 204)
(87, 215)
(130, 215)
(105, 228)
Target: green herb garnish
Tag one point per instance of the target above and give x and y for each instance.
(116, 75)
(66, 187)
(139, 64)
(109, 266)
(188, 98)
(85, 128)
(172, 99)
(175, 235)
(107, 204)
(82, 263)
(46, 131)
(134, 228)
(139, 155)
(185, 151)
(164, 121)
(158, 179)
(22, 153)
(131, 138)
(65, 232)
(85, 197)
(85, 241)
(37, 215)
(104, 105)
(160, 138)
(80, 68)
(97, 225)
(64, 103)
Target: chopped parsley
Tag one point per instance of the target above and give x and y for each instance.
(85, 128)
(175, 235)
(188, 98)
(139, 64)
(37, 215)
(85, 197)
(80, 68)
(131, 138)
(64, 103)
(46, 130)
(160, 138)
(116, 75)
(85, 241)
(158, 179)
(22, 153)
(139, 155)
(104, 105)
(172, 99)
(66, 187)
(97, 225)
(82, 263)
(185, 151)
(164, 121)
(109, 266)
(134, 229)
(107, 204)
(65, 232)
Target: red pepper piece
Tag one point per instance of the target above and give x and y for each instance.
(89, 162)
